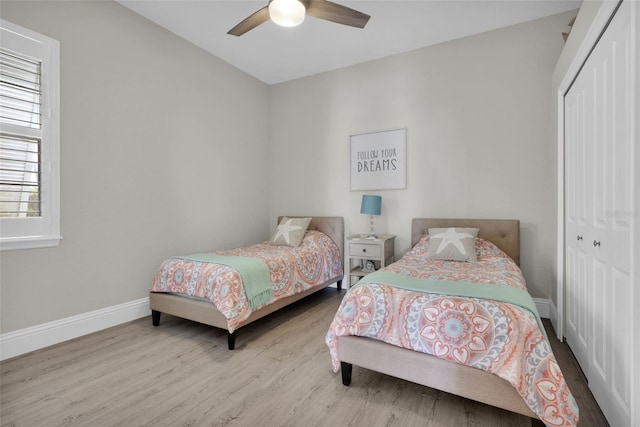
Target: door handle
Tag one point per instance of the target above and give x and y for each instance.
(596, 243)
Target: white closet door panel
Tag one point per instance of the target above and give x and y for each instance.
(583, 142)
(578, 109)
(577, 288)
(577, 298)
(583, 309)
(620, 386)
(571, 172)
(599, 201)
(571, 298)
(619, 242)
(621, 57)
(600, 142)
(600, 357)
(600, 338)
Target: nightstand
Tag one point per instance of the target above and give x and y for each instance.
(361, 251)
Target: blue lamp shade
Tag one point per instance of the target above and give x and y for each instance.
(371, 205)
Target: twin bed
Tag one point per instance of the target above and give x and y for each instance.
(449, 337)
(469, 341)
(212, 293)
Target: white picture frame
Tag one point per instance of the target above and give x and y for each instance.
(379, 160)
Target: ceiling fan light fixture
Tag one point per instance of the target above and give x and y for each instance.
(287, 13)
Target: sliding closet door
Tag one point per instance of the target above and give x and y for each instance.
(599, 206)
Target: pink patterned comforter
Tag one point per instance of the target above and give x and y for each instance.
(497, 337)
(314, 262)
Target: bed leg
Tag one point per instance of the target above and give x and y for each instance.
(346, 369)
(231, 339)
(155, 317)
(339, 285)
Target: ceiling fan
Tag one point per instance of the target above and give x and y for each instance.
(290, 13)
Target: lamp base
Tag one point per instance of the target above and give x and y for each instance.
(371, 234)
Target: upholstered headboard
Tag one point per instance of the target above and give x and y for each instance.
(332, 226)
(504, 233)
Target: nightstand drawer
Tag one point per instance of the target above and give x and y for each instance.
(363, 250)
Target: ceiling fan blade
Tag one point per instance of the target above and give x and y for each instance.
(250, 22)
(339, 14)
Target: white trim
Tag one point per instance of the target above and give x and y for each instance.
(542, 305)
(44, 231)
(36, 337)
(559, 326)
(597, 26)
(553, 316)
(29, 242)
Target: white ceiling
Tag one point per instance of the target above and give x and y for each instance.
(276, 54)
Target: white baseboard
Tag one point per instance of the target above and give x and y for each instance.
(542, 305)
(36, 337)
(547, 310)
(553, 316)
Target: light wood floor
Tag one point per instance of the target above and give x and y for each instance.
(182, 374)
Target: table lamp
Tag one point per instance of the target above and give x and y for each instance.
(371, 205)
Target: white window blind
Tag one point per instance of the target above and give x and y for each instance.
(19, 176)
(20, 164)
(29, 138)
(20, 90)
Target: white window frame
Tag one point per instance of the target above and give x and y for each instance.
(43, 231)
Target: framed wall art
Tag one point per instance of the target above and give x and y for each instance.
(379, 160)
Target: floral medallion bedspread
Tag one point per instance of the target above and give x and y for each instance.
(292, 270)
(497, 337)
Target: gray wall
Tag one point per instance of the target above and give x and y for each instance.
(157, 159)
(480, 141)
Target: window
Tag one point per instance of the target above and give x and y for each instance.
(29, 139)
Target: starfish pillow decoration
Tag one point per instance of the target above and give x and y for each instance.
(452, 244)
(290, 231)
(285, 229)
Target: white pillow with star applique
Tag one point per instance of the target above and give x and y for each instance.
(452, 244)
(290, 231)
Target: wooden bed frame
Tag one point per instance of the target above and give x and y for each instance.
(424, 369)
(207, 313)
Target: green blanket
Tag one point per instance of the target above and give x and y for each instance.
(501, 293)
(254, 272)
